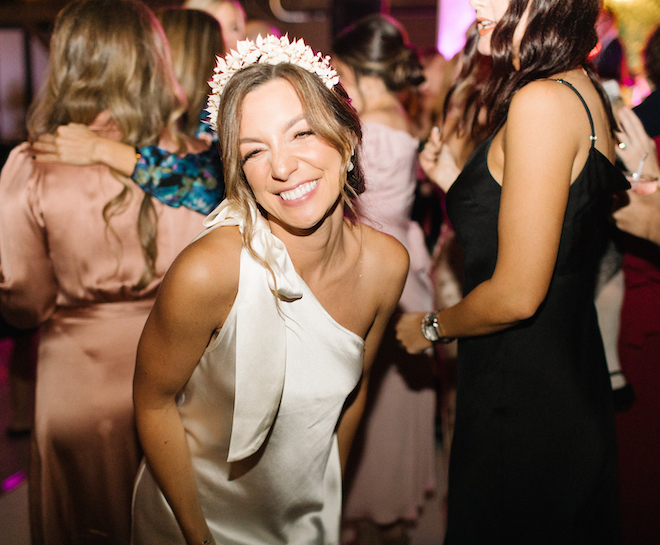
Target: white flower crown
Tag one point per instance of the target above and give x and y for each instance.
(268, 50)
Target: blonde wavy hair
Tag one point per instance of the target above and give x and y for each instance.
(195, 38)
(328, 112)
(112, 56)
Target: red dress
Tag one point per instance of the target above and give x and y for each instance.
(638, 429)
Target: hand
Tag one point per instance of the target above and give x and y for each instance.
(409, 333)
(74, 144)
(635, 144)
(438, 161)
(641, 216)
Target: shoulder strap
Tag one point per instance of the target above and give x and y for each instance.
(593, 136)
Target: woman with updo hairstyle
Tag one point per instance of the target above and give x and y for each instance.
(392, 466)
(83, 251)
(533, 455)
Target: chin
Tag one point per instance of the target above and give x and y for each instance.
(483, 46)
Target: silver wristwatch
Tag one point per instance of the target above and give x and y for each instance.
(431, 330)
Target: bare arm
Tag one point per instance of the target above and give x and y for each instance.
(538, 160)
(192, 304)
(76, 144)
(641, 216)
(390, 268)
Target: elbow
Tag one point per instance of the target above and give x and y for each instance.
(521, 307)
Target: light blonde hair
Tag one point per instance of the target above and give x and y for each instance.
(195, 38)
(112, 55)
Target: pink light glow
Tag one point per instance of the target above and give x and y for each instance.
(13, 481)
(454, 17)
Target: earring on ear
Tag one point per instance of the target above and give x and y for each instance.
(350, 166)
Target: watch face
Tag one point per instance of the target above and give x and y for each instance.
(430, 327)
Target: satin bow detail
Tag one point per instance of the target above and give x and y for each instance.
(260, 330)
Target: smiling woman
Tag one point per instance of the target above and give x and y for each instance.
(533, 457)
(265, 324)
(294, 175)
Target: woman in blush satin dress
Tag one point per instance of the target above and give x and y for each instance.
(392, 468)
(83, 251)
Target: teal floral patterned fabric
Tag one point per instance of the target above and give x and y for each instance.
(194, 181)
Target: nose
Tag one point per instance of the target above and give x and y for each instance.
(282, 163)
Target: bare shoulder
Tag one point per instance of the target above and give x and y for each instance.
(547, 115)
(205, 274)
(384, 256)
(542, 98)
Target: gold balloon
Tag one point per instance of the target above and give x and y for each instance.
(636, 19)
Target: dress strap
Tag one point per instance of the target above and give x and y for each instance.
(593, 136)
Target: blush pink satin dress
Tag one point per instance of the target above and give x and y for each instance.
(392, 465)
(62, 267)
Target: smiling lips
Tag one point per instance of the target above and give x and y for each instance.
(485, 26)
(299, 191)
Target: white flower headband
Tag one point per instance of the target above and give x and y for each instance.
(268, 50)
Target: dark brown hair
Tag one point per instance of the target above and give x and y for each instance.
(377, 45)
(559, 36)
(652, 58)
(464, 94)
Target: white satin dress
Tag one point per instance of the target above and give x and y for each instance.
(260, 413)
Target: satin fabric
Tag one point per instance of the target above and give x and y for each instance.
(260, 411)
(64, 268)
(392, 465)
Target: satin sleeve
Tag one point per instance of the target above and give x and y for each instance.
(28, 287)
(194, 181)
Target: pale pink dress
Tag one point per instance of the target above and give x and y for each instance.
(61, 267)
(392, 461)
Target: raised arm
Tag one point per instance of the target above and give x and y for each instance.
(194, 180)
(192, 304)
(541, 150)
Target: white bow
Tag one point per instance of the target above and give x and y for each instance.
(260, 330)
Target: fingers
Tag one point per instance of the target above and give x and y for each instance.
(409, 333)
(44, 150)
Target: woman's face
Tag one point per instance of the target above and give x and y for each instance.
(489, 13)
(232, 22)
(293, 173)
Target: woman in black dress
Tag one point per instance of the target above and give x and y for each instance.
(533, 457)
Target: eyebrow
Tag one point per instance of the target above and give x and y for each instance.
(291, 123)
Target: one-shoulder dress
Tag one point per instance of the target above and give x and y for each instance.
(533, 459)
(260, 412)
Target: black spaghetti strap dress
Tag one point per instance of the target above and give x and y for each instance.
(533, 459)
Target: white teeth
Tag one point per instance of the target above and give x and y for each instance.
(299, 191)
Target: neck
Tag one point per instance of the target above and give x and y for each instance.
(315, 250)
(375, 95)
